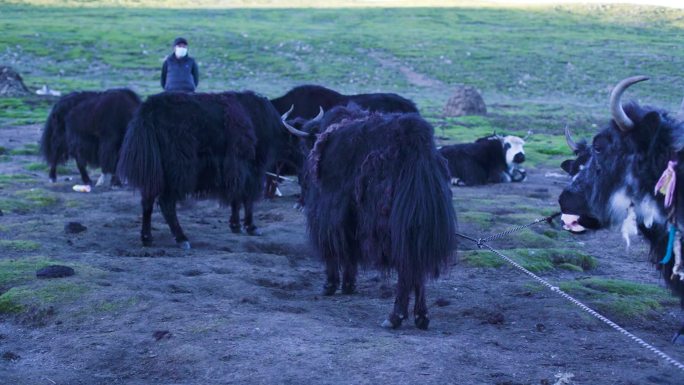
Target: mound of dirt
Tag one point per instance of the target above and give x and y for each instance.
(466, 100)
(11, 83)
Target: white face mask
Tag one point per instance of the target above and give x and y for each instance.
(180, 51)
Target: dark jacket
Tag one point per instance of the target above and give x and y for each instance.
(179, 74)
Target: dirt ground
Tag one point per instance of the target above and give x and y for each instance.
(241, 309)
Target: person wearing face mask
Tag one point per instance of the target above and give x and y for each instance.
(179, 72)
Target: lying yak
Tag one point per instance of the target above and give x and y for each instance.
(207, 145)
(615, 182)
(89, 127)
(377, 194)
(492, 159)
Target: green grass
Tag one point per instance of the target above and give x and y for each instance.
(23, 291)
(623, 299)
(21, 269)
(61, 170)
(28, 200)
(28, 149)
(535, 260)
(18, 245)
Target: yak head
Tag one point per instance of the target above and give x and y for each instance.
(614, 178)
(310, 130)
(512, 152)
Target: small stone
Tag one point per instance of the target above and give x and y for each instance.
(74, 228)
(441, 302)
(465, 100)
(9, 356)
(161, 334)
(55, 271)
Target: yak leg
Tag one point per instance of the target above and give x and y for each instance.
(235, 217)
(168, 209)
(677, 335)
(400, 311)
(53, 173)
(249, 218)
(82, 170)
(146, 233)
(420, 310)
(115, 180)
(104, 179)
(349, 277)
(332, 273)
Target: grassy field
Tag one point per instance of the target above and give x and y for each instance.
(538, 68)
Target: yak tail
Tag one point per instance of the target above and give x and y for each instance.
(53, 140)
(140, 160)
(422, 220)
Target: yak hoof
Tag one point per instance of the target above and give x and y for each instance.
(348, 288)
(329, 289)
(422, 322)
(676, 339)
(393, 322)
(253, 230)
(53, 180)
(236, 229)
(146, 240)
(185, 245)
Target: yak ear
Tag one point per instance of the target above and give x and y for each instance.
(567, 165)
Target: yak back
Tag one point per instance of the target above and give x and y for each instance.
(379, 190)
(53, 142)
(307, 99)
(383, 102)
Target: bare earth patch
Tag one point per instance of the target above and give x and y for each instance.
(240, 309)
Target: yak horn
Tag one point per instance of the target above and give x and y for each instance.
(295, 131)
(285, 115)
(568, 138)
(319, 116)
(529, 133)
(619, 116)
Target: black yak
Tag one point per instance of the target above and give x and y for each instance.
(617, 182)
(309, 99)
(377, 194)
(89, 127)
(492, 159)
(215, 145)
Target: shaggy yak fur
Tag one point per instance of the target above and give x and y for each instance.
(614, 179)
(492, 159)
(377, 194)
(89, 127)
(216, 145)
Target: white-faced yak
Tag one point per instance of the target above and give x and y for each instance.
(206, 145)
(89, 127)
(492, 159)
(377, 194)
(631, 177)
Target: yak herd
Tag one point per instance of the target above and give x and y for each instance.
(374, 186)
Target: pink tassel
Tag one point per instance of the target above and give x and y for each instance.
(667, 182)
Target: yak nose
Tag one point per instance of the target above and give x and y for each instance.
(519, 158)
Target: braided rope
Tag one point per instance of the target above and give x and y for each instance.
(482, 243)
